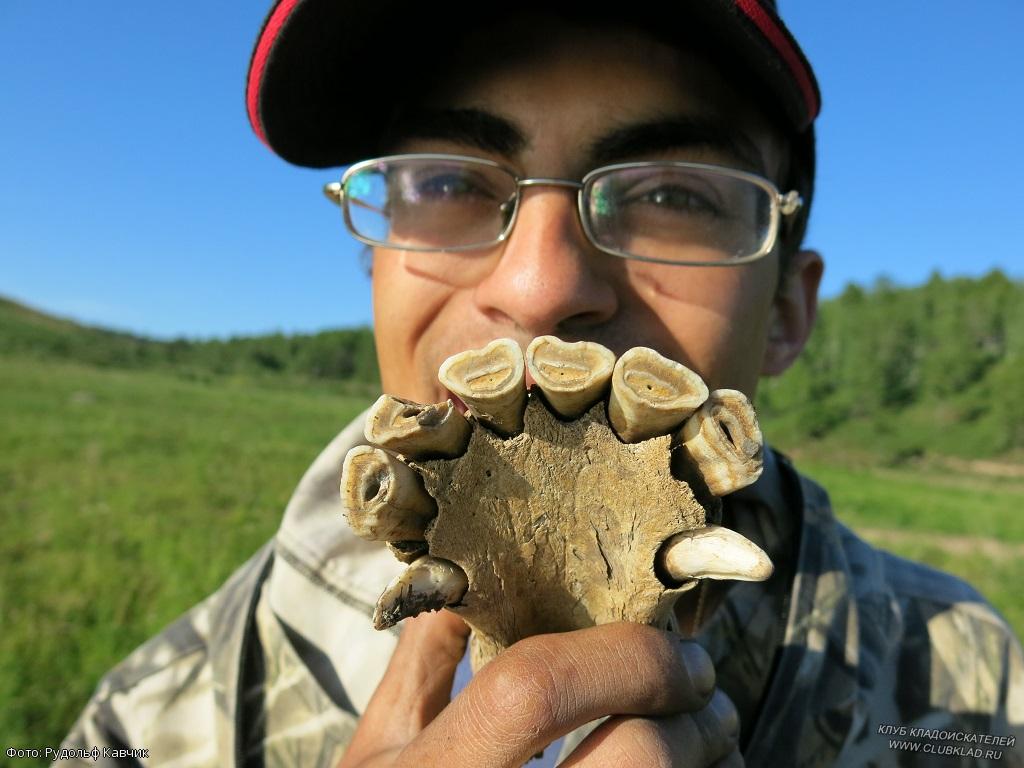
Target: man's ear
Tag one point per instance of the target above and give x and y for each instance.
(793, 312)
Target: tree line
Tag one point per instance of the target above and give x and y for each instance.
(902, 371)
(937, 367)
(344, 354)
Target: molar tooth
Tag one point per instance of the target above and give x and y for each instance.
(429, 584)
(713, 552)
(724, 440)
(572, 376)
(383, 498)
(417, 431)
(651, 395)
(491, 382)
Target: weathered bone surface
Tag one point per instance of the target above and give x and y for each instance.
(545, 524)
(429, 584)
(491, 382)
(572, 376)
(714, 552)
(417, 431)
(564, 511)
(725, 442)
(651, 395)
(384, 499)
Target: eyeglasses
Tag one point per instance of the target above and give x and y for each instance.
(662, 212)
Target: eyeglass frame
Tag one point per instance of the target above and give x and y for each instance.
(785, 204)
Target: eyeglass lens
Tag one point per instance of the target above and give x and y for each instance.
(678, 214)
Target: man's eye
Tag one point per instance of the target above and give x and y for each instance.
(444, 187)
(675, 199)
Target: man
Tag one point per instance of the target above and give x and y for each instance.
(710, 106)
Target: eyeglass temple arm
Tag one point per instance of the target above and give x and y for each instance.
(334, 192)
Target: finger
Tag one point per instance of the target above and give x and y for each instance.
(545, 686)
(491, 382)
(416, 686)
(651, 395)
(572, 376)
(694, 740)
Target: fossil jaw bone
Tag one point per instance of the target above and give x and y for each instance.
(651, 395)
(491, 382)
(505, 508)
(713, 552)
(724, 440)
(417, 431)
(384, 499)
(428, 584)
(572, 376)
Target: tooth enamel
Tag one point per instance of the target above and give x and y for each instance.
(714, 552)
(429, 584)
(417, 431)
(724, 441)
(491, 382)
(572, 376)
(651, 395)
(383, 498)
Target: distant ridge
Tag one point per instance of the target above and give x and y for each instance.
(890, 371)
(345, 354)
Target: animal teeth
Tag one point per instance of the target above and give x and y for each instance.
(572, 376)
(383, 498)
(491, 382)
(724, 440)
(651, 395)
(429, 584)
(714, 552)
(417, 431)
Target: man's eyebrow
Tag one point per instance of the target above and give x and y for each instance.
(677, 132)
(473, 127)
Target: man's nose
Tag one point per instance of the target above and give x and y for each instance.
(549, 278)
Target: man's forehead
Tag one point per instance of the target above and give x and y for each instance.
(612, 93)
(661, 133)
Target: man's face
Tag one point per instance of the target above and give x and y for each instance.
(578, 101)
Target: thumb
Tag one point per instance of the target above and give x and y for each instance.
(417, 684)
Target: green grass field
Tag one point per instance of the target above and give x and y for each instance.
(965, 524)
(129, 496)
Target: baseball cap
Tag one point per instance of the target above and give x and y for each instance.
(323, 72)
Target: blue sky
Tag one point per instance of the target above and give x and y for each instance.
(135, 196)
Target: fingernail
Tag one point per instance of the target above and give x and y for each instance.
(698, 667)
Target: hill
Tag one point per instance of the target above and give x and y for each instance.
(890, 373)
(346, 355)
(906, 372)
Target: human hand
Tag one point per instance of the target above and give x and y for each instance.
(657, 688)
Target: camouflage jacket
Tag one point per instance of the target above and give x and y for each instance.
(847, 656)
